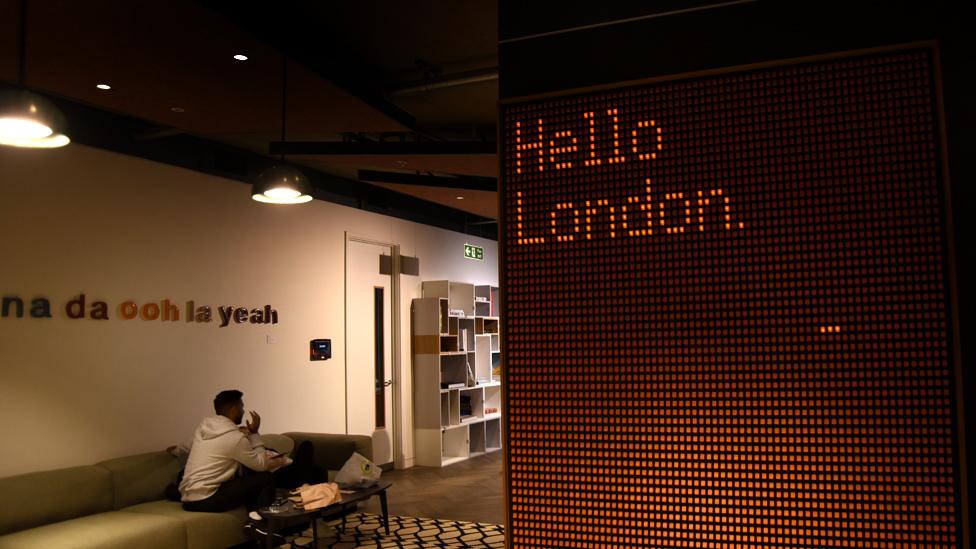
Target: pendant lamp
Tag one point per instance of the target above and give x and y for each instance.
(281, 183)
(26, 119)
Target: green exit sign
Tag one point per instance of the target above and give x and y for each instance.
(474, 252)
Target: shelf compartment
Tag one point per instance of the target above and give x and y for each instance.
(475, 397)
(476, 438)
(454, 408)
(490, 325)
(482, 358)
(445, 408)
(493, 434)
(461, 295)
(493, 399)
(466, 334)
(454, 443)
(482, 292)
(487, 294)
(443, 316)
(453, 369)
(449, 344)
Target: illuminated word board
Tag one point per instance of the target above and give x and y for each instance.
(726, 303)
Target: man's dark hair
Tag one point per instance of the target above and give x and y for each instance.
(226, 398)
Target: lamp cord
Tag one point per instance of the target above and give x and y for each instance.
(22, 69)
(284, 100)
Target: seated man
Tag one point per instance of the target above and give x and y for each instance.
(228, 465)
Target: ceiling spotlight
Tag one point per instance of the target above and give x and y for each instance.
(459, 197)
(240, 57)
(103, 86)
(176, 109)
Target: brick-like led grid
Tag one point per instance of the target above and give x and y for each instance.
(726, 308)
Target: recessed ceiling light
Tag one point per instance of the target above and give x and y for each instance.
(176, 109)
(459, 197)
(103, 86)
(240, 57)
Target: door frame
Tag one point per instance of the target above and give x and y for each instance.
(395, 342)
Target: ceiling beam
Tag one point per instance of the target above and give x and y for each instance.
(382, 148)
(445, 81)
(467, 182)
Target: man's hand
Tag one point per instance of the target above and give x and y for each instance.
(254, 424)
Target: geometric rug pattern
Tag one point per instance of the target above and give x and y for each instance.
(365, 530)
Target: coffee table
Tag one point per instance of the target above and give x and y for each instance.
(276, 522)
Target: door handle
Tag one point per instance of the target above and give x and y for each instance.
(388, 382)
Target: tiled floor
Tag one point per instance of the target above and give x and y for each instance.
(470, 490)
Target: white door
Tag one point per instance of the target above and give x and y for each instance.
(369, 377)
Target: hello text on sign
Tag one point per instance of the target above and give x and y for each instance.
(538, 150)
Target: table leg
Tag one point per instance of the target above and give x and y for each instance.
(315, 532)
(386, 515)
(269, 539)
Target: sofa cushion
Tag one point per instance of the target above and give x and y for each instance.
(281, 443)
(332, 451)
(141, 478)
(203, 530)
(45, 497)
(102, 531)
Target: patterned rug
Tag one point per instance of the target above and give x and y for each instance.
(364, 530)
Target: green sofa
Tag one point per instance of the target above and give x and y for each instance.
(121, 502)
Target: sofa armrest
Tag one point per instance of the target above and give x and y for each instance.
(46, 497)
(332, 451)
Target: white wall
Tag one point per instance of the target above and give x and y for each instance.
(115, 227)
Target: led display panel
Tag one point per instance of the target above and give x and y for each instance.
(727, 311)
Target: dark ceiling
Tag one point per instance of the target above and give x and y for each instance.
(359, 72)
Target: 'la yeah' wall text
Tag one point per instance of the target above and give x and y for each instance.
(13, 306)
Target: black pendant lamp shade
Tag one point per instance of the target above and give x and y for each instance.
(27, 119)
(282, 184)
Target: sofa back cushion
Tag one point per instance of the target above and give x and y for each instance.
(140, 478)
(280, 443)
(332, 451)
(45, 497)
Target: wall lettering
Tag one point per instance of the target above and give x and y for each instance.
(80, 307)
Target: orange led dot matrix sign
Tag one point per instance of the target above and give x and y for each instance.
(727, 315)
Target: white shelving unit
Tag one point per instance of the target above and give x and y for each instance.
(457, 399)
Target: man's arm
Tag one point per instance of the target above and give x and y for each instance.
(250, 448)
(250, 452)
